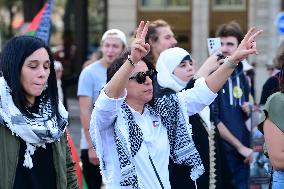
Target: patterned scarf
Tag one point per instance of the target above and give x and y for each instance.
(182, 148)
(43, 128)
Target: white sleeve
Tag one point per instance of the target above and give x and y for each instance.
(198, 97)
(102, 125)
(105, 110)
(103, 116)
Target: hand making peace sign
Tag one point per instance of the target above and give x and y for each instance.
(139, 48)
(247, 45)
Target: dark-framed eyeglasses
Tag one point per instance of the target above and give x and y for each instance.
(140, 77)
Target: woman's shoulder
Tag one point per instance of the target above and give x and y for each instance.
(274, 101)
(274, 109)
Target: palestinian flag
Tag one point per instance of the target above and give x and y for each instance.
(75, 157)
(41, 24)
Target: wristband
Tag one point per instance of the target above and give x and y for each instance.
(229, 64)
(130, 61)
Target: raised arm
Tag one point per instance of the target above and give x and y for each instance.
(139, 49)
(248, 46)
(209, 66)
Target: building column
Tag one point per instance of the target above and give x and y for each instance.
(200, 28)
(122, 14)
(262, 14)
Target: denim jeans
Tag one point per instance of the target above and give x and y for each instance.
(278, 180)
(241, 178)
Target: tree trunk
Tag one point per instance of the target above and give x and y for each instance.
(31, 8)
(81, 33)
(11, 15)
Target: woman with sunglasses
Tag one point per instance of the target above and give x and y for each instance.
(134, 136)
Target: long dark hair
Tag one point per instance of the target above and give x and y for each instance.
(12, 59)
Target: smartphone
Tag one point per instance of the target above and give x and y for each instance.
(213, 45)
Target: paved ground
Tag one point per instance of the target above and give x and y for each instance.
(75, 125)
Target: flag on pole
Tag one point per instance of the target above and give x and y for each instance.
(41, 24)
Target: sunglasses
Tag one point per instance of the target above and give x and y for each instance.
(140, 77)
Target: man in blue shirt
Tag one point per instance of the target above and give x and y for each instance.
(231, 110)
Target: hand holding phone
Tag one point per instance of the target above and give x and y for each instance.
(220, 56)
(213, 45)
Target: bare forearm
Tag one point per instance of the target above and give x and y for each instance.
(228, 136)
(85, 121)
(86, 105)
(203, 72)
(217, 79)
(209, 66)
(117, 84)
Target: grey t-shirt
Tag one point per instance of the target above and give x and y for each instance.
(92, 79)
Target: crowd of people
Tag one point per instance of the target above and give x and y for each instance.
(150, 117)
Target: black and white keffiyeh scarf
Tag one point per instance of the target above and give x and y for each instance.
(182, 148)
(43, 128)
